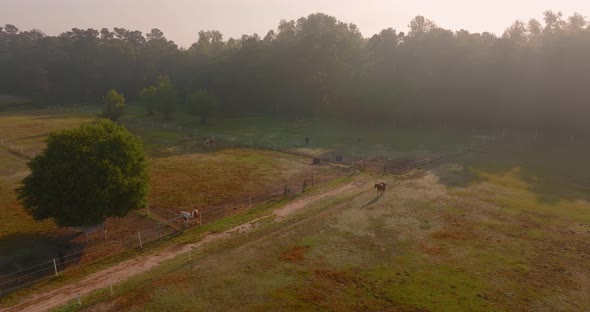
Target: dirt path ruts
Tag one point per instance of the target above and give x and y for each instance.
(124, 270)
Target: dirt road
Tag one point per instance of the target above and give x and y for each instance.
(124, 270)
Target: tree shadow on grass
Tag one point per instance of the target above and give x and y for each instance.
(551, 173)
(27, 257)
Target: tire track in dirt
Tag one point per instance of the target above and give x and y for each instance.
(126, 269)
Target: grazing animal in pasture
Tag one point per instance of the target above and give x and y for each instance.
(380, 186)
(209, 141)
(187, 216)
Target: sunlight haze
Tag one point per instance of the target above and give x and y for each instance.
(181, 20)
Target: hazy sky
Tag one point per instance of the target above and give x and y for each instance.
(181, 20)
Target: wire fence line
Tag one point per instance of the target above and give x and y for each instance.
(223, 140)
(100, 251)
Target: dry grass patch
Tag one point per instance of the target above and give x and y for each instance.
(296, 254)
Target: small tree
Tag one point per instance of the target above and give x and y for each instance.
(86, 175)
(160, 98)
(201, 103)
(113, 105)
(147, 97)
(165, 97)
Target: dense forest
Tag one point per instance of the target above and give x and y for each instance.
(536, 75)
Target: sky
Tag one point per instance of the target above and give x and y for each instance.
(181, 20)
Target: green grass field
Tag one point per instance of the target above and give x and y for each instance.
(352, 140)
(504, 228)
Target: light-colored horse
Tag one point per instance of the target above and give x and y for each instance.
(187, 216)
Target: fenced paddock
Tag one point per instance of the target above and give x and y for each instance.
(165, 223)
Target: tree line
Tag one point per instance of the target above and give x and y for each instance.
(533, 76)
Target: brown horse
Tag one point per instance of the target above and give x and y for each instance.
(380, 186)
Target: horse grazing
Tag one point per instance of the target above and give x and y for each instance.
(187, 216)
(209, 141)
(380, 186)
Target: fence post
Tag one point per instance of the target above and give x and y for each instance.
(79, 301)
(147, 208)
(140, 244)
(285, 190)
(55, 267)
(304, 185)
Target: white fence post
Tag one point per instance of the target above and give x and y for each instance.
(140, 244)
(79, 301)
(55, 267)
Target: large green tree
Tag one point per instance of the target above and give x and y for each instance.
(86, 175)
(113, 105)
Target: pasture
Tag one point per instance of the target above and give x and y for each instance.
(183, 174)
(353, 141)
(504, 228)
